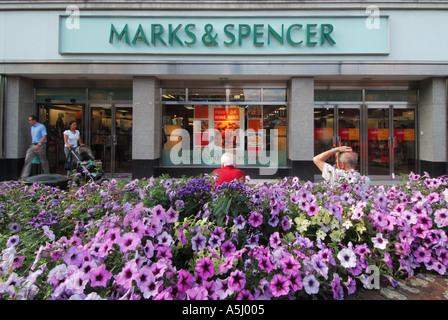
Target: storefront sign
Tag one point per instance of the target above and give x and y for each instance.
(223, 35)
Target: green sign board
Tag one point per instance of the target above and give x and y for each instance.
(223, 35)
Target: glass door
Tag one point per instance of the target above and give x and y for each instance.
(324, 130)
(348, 125)
(111, 137)
(404, 139)
(380, 140)
(56, 117)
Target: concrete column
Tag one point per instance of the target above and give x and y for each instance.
(147, 126)
(432, 126)
(301, 127)
(19, 105)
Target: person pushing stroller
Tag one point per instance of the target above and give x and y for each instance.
(72, 138)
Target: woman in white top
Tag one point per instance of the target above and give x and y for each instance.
(72, 138)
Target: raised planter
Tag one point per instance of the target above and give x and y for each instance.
(54, 180)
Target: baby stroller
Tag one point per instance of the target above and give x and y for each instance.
(83, 161)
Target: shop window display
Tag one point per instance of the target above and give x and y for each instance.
(220, 120)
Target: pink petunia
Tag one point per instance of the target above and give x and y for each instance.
(279, 285)
(99, 276)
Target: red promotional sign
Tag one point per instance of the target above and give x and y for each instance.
(226, 114)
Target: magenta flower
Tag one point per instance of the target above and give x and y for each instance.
(112, 235)
(171, 215)
(420, 230)
(227, 265)
(222, 288)
(289, 265)
(151, 287)
(265, 264)
(274, 240)
(197, 293)
(255, 219)
(185, 280)
(245, 295)
(127, 275)
(129, 241)
(158, 212)
(296, 281)
(219, 232)
(422, 255)
(279, 285)
(144, 276)
(17, 262)
(148, 249)
(99, 276)
(237, 280)
(312, 209)
(227, 248)
(163, 251)
(205, 268)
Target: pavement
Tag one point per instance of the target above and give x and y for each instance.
(427, 286)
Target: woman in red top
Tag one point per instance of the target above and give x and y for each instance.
(228, 172)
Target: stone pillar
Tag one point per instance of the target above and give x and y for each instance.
(432, 126)
(147, 126)
(301, 128)
(19, 105)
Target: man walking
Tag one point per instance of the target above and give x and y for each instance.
(37, 148)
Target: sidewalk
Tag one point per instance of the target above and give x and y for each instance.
(427, 286)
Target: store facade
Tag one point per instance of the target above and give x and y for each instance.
(274, 83)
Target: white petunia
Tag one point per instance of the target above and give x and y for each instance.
(347, 258)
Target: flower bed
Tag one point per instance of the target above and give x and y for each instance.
(164, 238)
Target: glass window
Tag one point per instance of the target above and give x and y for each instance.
(199, 133)
(338, 95)
(245, 95)
(274, 95)
(110, 94)
(392, 95)
(173, 95)
(207, 94)
(43, 94)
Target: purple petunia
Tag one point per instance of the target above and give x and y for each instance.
(205, 268)
(310, 284)
(74, 256)
(256, 219)
(198, 242)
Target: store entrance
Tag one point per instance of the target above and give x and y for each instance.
(382, 134)
(110, 137)
(56, 118)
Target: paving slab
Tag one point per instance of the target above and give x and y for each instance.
(427, 286)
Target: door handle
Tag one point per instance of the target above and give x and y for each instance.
(392, 142)
(113, 139)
